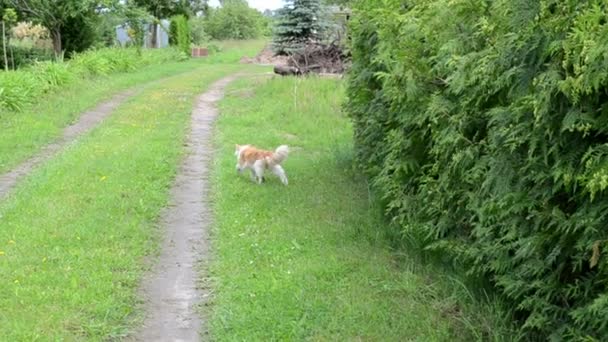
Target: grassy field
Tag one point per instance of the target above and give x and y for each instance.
(73, 235)
(25, 133)
(309, 261)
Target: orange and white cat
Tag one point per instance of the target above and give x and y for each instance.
(257, 160)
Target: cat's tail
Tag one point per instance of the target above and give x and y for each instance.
(280, 154)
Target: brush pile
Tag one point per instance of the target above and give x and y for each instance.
(315, 57)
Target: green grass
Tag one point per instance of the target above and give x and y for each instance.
(306, 261)
(233, 50)
(310, 261)
(73, 235)
(26, 132)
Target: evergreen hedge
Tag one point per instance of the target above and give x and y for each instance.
(179, 33)
(484, 126)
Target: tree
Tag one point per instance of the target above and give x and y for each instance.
(56, 16)
(135, 18)
(198, 30)
(161, 9)
(180, 33)
(79, 33)
(235, 20)
(298, 23)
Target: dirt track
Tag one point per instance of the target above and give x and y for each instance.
(171, 292)
(86, 122)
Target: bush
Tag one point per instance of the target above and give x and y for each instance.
(80, 33)
(24, 86)
(21, 56)
(173, 32)
(179, 33)
(483, 125)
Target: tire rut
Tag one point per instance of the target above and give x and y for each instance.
(87, 121)
(170, 291)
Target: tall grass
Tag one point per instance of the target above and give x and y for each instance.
(25, 86)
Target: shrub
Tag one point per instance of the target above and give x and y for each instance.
(483, 125)
(80, 33)
(173, 32)
(19, 56)
(183, 34)
(179, 33)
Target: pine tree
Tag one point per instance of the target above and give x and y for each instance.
(298, 24)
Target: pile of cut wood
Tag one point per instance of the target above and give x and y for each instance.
(315, 57)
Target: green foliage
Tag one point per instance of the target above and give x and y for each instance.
(106, 28)
(79, 34)
(235, 20)
(166, 8)
(298, 22)
(25, 86)
(173, 32)
(136, 17)
(179, 33)
(9, 16)
(59, 18)
(197, 31)
(483, 125)
(21, 56)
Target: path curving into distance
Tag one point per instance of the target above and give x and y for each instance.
(87, 121)
(170, 291)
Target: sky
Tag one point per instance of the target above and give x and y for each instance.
(258, 4)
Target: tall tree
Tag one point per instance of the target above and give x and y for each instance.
(298, 23)
(54, 15)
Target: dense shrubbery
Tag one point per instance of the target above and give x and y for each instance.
(484, 125)
(80, 34)
(21, 56)
(22, 87)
